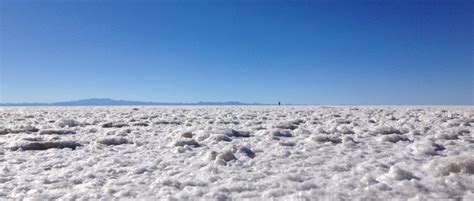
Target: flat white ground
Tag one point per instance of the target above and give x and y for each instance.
(256, 152)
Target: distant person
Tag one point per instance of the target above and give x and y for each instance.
(279, 103)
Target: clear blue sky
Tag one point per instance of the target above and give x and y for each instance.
(354, 52)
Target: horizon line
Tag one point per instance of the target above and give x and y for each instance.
(116, 102)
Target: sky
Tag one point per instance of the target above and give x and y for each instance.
(298, 52)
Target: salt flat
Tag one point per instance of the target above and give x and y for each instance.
(244, 152)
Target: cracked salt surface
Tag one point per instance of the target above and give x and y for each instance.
(220, 153)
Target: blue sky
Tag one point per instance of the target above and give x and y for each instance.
(323, 52)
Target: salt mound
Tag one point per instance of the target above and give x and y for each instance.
(326, 138)
(224, 157)
(446, 136)
(182, 143)
(395, 173)
(451, 134)
(385, 130)
(425, 147)
(393, 138)
(122, 132)
(451, 164)
(348, 141)
(67, 122)
(287, 125)
(340, 121)
(344, 129)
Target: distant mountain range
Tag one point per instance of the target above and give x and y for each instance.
(111, 102)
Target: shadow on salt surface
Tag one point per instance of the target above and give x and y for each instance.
(113, 141)
(451, 164)
(46, 145)
(56, 132)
